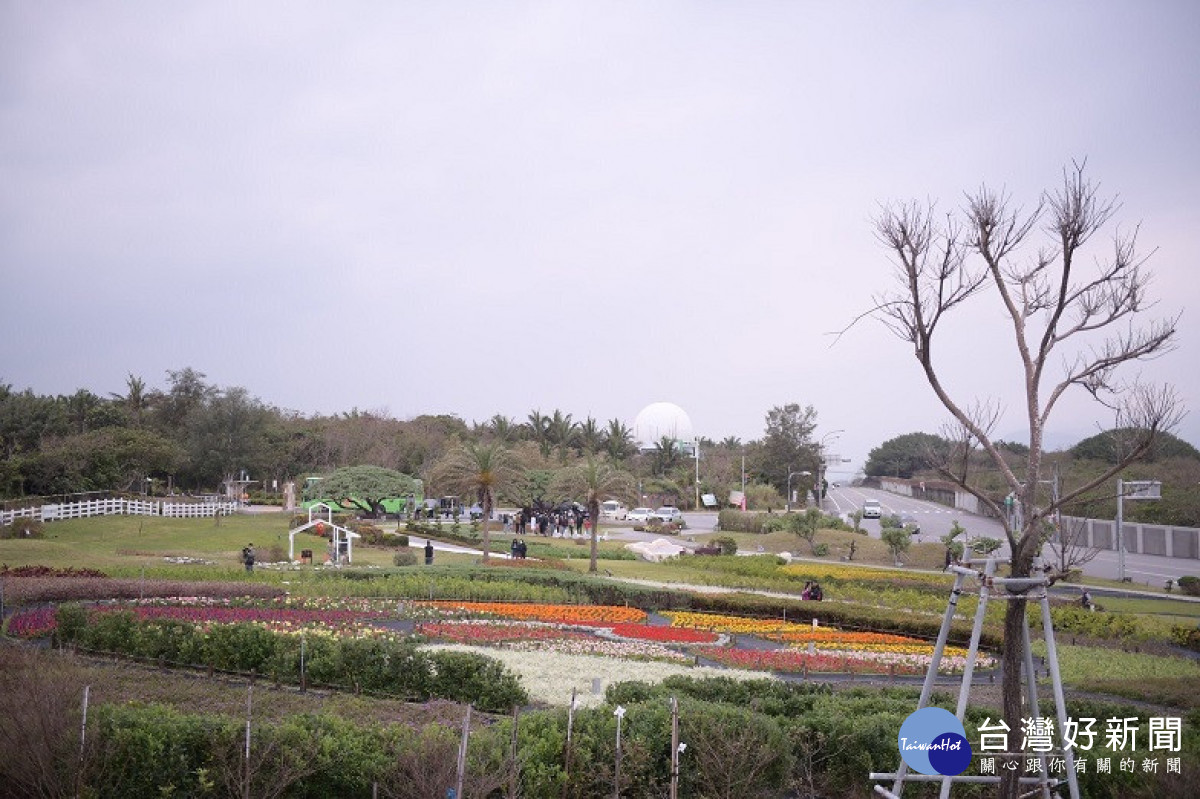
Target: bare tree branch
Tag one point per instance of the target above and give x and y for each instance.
(1051, 301)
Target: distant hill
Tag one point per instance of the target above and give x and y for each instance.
(1104, 446)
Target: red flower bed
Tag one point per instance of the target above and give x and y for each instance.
(664, 635)
(482, 633)
(32, 623)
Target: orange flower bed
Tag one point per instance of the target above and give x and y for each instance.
(534, 611)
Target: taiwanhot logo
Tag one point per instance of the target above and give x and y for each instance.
(932, 741)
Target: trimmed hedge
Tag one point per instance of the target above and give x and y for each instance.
(357, 664)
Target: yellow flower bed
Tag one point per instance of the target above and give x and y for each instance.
(822, 571)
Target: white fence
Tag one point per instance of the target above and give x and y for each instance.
(1144, 539)
(118, 507)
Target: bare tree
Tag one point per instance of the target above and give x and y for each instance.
(40, 709)
(1061, 310)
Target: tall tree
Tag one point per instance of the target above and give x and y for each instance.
(618, 440)
(787, 444)
(905, 455)
(666, 455)
(590, 436)
(595, 480)
(188, 392)
(539, 431)
(134, 400)
(561, 432)
(483, 470)
(1060, 312)
(81, 407)
(502, 428)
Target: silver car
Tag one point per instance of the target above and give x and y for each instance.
(669, 514)
(639, 515)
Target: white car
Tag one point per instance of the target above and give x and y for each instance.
(871, 509)
(612, 509)
(639, 515)
(669, 514)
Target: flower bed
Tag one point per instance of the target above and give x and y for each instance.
(665, 635)
(536, 611)
(793, 661)
(494, 632)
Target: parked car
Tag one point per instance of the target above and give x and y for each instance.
(611, 509)
(669, 514)
(871, 509)
(639, 515)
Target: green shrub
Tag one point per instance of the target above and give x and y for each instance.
(404, 557)
(71, 619)
(22, 528)
(1190, 585)
(471, 677)
(728, 545)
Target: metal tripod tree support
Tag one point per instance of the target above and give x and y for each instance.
(1007, 589)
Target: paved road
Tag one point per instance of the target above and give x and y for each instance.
(935, 521)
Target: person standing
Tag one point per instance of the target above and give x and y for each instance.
(248, 556)
(428, 552)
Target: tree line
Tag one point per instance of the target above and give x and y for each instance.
(190, 435)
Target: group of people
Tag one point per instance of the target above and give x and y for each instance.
(559, 523)
(812, 590)
(518, 548)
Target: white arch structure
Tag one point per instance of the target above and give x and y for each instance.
(338, 534)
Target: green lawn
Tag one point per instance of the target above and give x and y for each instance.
(125, 544)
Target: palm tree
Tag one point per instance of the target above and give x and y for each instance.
(539, 431)
(502, 428)
(484, 470)
(135, 400)
(618, 440)
(590, 436)
(666, 455)
(595, 479)
(560, 429)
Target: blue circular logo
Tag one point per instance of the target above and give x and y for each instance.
(933, 741)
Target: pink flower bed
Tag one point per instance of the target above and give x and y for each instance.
(793, 661)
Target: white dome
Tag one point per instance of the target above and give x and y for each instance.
(662, 419)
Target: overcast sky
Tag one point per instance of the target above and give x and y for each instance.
(480, 208)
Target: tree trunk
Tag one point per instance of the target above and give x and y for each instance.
(487, 526)
(594, 518)
(1011, 662)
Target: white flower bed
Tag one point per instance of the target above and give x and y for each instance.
(550, 676)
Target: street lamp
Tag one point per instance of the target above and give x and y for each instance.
(819, 488)
(788, 506)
